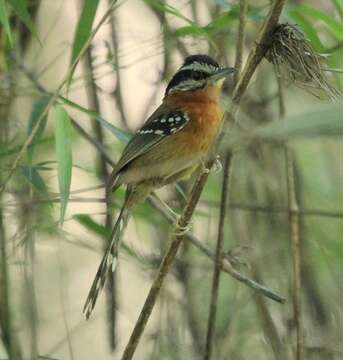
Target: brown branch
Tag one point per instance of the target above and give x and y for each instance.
(294, 224)
(218, 260)
(257, 53)
(117, 94)
(224, 200)
(8, 335)
(101, 170)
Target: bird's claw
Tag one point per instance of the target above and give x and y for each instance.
(217, 166)
(182, 230)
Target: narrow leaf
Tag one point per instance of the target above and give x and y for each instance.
(38, 108)
(4, 20)
(335, 26)
(84, 27)
(103, 232)
(120, 134)
(20, 8)
(33, 176)
(162, 7)
(91, 225)
(308, 29)
(64, 156)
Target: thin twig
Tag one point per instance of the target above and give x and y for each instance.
(232, 206)
(257, 53)
(224, 199)
(294, 224)
(117, 92)
(62, 294)
(218, 261)
(27, 220)
(101, 170)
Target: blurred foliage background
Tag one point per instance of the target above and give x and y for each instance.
(77, 77)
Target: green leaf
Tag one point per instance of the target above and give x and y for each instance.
(336, 27)
(64, 156)
(20, 8)
(33, 176)
(308, 29)
(4, 20)
(163, 7)
(5, 151)
(221, 22)
(37, 110)
(84, 27)
(91, 225)
(120, 134)
(100, 230)
(190, 30)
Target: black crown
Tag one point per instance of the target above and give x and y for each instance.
(204, 59)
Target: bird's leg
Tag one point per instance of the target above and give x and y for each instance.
(216, 167)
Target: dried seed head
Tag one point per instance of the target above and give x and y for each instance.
(294, 58)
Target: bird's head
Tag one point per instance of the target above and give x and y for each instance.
(197, 72)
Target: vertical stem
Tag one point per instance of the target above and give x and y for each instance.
(243, 8)
(218, 261)
(102, 172)
(224, 198)
(294, 224)
(29, 271)
(117, 92)
(8, 335)
(5, 315)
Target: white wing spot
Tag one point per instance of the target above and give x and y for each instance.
(158, 132)
(163, 120)
(171, 119)
(173, 130)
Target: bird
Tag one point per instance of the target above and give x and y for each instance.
(172, 143)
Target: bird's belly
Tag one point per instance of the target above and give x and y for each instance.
(159, 168)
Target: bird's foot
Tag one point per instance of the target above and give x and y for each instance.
(182, 230)
(217, 166)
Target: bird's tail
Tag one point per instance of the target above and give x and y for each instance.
(110, 259)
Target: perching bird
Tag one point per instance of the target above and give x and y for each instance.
(170, 146)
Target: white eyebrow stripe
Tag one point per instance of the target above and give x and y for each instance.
(185, 85)
(196, 66)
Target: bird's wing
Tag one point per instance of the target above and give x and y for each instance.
(161, 124)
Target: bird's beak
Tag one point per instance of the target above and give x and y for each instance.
(221, 74)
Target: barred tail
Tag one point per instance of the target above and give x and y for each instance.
(110, 259)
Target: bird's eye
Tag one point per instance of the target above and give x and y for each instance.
(197, 76)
